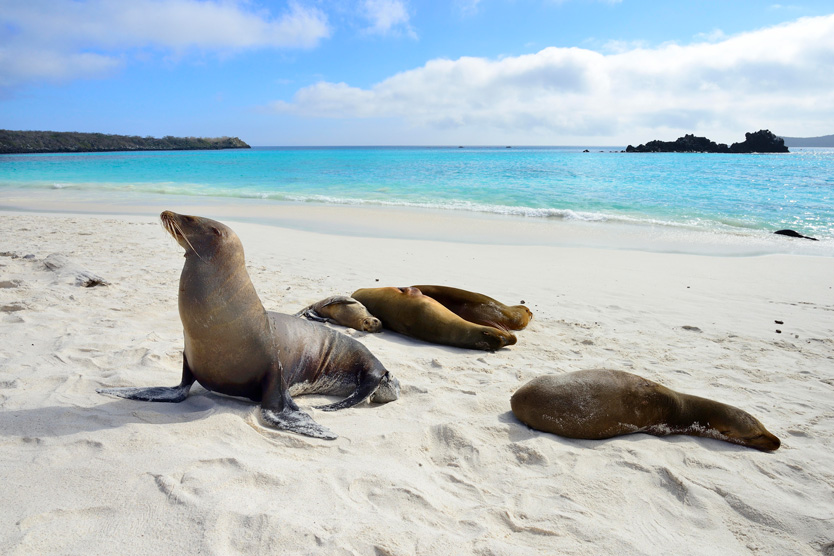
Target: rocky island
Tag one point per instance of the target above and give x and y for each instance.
(762, 141)
(21, 142)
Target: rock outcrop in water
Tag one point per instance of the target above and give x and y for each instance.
(762, 141)
(21, 142)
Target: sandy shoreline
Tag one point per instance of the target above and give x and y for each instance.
(400, 222)
(445, 469)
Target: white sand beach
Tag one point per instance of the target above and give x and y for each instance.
(446, 469)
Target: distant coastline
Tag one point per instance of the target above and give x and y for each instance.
(23, 142)
(822, 141)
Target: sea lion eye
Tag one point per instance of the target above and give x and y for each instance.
(217, 231)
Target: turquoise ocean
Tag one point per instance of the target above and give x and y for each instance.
(720, 193)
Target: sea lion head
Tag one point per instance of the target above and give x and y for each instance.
(521, 316)
(739, 427)
(495, 338)
(201, 237)
(371, 324)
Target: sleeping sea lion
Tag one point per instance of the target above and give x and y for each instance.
(479, 308)
(597, 404)
(342, 310)
(234, 346)
(409, 312)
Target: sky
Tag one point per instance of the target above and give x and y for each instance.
(409, 72)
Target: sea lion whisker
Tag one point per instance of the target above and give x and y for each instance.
(181, 233)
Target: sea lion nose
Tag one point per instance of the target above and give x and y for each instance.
(167, 215)
(772, 442)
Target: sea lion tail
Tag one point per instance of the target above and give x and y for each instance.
(295, 420)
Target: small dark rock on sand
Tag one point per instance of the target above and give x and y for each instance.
(792, 233)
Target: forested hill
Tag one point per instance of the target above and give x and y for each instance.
(18, 142)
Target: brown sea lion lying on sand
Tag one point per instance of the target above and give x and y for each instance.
(409, 312)
(597, 404)
(479, 308)
(344, 311)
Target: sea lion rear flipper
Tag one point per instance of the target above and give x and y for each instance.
(380, 390)
(295, 420)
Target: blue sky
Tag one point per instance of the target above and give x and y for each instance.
(406, 72)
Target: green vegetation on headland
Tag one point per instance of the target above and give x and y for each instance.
(762, 141)
(20, 142)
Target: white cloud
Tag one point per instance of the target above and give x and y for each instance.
(61, 40)
(467, 7)
(713, 36)
(779, 77)
(387, 17)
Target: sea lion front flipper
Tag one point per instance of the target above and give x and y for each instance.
(309, 312)
(169, 394)
(280, 411)
(295, 420)
(338, 300)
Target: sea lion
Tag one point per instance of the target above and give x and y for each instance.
(409, 312)
(342, 310)
(479, 308)
(597, 404)
(234, 346)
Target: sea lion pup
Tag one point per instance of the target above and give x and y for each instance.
(409, 312)
(234, 346)
(479, 308)
(598, 404)
(342, 310)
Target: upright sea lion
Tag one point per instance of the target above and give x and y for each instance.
(342, 310)
(235, 347)
(409, 312)
(599, 404)
(479, 308)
